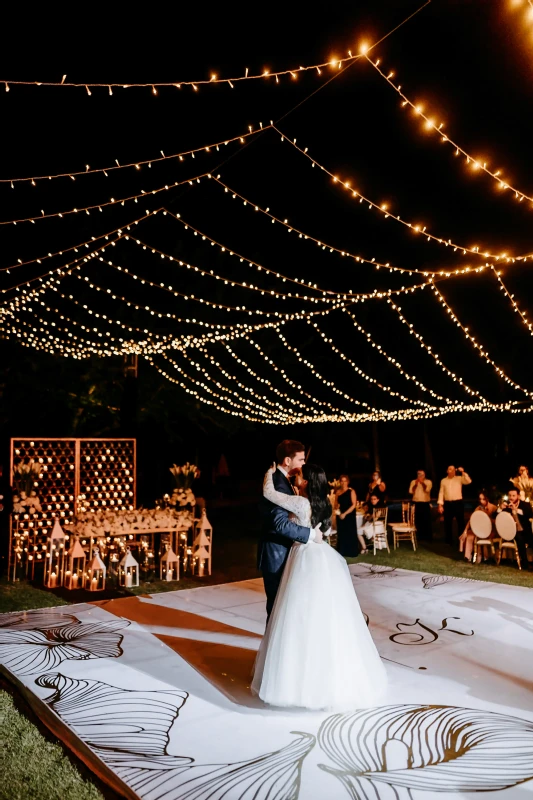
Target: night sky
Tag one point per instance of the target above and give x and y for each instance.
(468, 62)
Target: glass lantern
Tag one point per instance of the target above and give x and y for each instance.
(96, 573)
(54, 565)
(203, 537)
(128, 571)
(169, 567)
(75, 567)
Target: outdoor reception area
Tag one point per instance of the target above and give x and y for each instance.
(266, 453)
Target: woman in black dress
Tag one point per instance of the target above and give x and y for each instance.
(346, 519)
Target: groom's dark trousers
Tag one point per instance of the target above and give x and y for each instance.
(279, 533)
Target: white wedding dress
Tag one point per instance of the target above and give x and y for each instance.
(317, 652)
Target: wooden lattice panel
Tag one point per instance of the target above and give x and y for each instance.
(107, 474)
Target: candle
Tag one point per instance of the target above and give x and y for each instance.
(53, 580)
(94, 582)
(128, 580)
(201, 568)
(169, 574)
(74, 581)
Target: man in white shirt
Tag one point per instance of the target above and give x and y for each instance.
(420, 489)
(451, 500)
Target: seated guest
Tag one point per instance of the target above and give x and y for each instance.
(524, 483)
(368, 528)
(522, 514)
(376, 486)
(467, 538)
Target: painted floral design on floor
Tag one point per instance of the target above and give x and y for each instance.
(130, 731)
(426, 748)
(26, 652)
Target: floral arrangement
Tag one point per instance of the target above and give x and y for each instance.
(25, 477)
(182, 494)
(26, 505)
(106, 522)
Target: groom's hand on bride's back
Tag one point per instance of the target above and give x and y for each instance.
(318, 536)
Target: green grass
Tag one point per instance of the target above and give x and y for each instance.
(440, 559)
(33, 768)
(22, 595)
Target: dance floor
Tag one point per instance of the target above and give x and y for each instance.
(153, 693)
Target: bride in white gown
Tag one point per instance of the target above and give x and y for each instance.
(317, 652)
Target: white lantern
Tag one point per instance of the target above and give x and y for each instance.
(169, 567)
(54, 565)
(203, 539)
(96, 573)
(128, 571)
(74, 572)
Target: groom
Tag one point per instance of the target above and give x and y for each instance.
(279, 533)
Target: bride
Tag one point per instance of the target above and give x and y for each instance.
(317, 652)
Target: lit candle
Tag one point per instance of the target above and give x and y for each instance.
(74, 581)
(201, 568)
(169, 574)
(53, 580)
(128, 580)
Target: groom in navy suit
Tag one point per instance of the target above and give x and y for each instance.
(279, 533)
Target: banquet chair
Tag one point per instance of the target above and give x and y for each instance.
(481, 527)
(379, 525)
(506, 527)
(405, 531)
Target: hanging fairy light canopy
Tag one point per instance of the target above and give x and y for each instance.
(225, 332)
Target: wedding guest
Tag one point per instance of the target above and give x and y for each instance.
(451, 500)
(420, 489)
(368, 528)
(467, 538)
(524, 483)
(376, 486)
(521, 513)
(345, 505)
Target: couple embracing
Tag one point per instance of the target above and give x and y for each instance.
(317, 652)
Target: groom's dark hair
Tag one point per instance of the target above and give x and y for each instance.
(288, 449)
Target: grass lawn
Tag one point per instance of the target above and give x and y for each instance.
(34, 767)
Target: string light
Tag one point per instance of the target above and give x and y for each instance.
(79, 246)
(415, 228)
(112, 202)
(215, 146)
(396, 364)
(329, 248)
(516, 307)
(431, 125)
(480, 350)
(334, 63)
(436, 357)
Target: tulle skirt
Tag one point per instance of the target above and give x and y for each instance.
(317, 652)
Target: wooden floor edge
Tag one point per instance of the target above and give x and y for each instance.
(63, 732)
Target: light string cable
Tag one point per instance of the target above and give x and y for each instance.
(215, 146)
(384, 210)
(383, 353)
(76, 247)
(511, 298)
(431, 125)
(318, 376)
(302, 235)
(436, 357)
(387, 389)
(479, 348)
(112, 202)
(334, 63)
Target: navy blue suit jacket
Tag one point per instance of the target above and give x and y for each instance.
(279, 532)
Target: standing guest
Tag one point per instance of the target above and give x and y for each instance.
(522, 514)
(376, 486)
(420, 489)
(345, 505)
(467, 538)
(524, 483)
(451, 500)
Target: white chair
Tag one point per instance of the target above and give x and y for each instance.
(379, 525)
(506, 527)
(405, 530)
(481, 527)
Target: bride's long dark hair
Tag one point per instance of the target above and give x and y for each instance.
(317, 492)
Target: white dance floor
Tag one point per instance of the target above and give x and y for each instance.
(153, 693)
